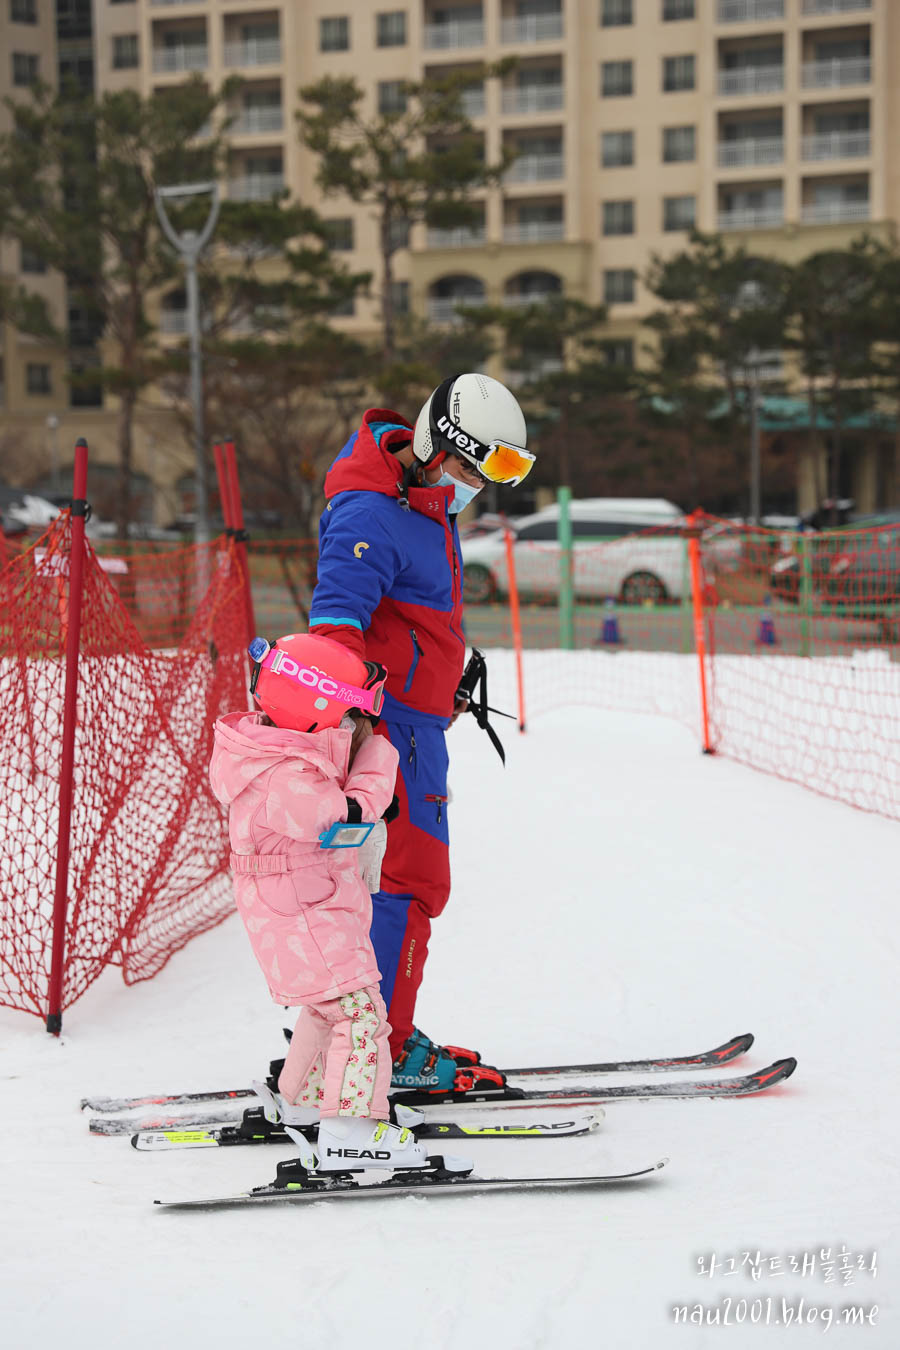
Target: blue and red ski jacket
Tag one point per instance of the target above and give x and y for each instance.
(390, 574)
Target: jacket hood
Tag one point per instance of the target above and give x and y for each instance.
(366, 462)
(246, 746)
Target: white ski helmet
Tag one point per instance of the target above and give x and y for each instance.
(477, 418)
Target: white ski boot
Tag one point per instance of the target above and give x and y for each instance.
(281, 1112)
(349, 1143)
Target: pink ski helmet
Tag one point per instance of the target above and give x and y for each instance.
(307, 683)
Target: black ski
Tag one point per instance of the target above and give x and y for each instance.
(742, 1085)
(256, 1129)
(293, 1183)
(722, 1054)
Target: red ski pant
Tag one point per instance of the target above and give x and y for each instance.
(415, 874)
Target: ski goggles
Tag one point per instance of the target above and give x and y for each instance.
(497, 461)
(367, 698)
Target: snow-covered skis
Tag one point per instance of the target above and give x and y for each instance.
(294, 1183)
(722, 1054)
(567, 1098)
(256, 1129)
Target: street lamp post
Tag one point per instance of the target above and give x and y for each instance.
(189, 244)
(53, 428)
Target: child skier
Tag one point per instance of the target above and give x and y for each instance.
(307, 841)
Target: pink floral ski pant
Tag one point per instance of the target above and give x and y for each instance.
(339, 1058)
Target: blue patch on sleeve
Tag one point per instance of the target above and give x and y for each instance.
(335, 619)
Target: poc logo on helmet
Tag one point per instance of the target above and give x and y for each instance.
(313, 679)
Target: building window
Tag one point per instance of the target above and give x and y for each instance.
(619, 285)
(679, 145)
(125, 51)
(334, 35)
(390, 29)
(673, 10)
(23, 11)
(24, 68)
(617, 149)
(30, 261)
(37, 378)
(339, 234)
(620, 353)
(616, 79)
(679, 213)
(678, 73)
(616, 13)
(398, 233)
(346, 309)
(618, 217)
(391, 97)
(400, 296)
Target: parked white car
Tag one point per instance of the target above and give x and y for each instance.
(612, 558)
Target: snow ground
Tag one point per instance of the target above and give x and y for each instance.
(615, 893)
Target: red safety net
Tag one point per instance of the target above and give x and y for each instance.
(163, 641)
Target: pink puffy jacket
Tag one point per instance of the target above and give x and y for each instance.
(306, 909)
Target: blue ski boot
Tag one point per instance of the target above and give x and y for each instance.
(422, 1064)
(436, 1070)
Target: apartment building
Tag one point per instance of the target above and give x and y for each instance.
(33, 386)
(632, 120)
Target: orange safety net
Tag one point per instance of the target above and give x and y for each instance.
(801, 631)
(163, 641)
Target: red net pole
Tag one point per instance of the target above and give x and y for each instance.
(224, 487)
(699, 624)
(515, 620)
(73, 636)
(240, 534)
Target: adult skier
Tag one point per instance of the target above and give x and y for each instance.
(390, 590)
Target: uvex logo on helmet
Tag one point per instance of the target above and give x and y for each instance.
(283, 664)
(456, 434)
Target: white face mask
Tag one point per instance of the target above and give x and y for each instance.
(463, 493)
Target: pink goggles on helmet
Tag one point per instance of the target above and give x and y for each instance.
(368, 698)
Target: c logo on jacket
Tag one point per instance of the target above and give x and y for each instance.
(358, 548)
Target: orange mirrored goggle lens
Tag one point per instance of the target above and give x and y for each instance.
(506, 463)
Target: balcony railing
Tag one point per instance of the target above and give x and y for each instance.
(173, 322)
(762, 218)
(532, 28)
(456, 238)
(551, 365)
(535, 168)
(749, 11)
(259, 52)
(440, 36)
(522, 299)
(837, 145)
(534, 232)
(256, 188)
(834, 213)
(252, 121)
(836, 73)
(443, 310)
(751, 80)
(172, 60)
(473, 102)
(835, 6)
(533, 98)
(759, 150)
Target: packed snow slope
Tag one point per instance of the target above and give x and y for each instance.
(615, 894)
